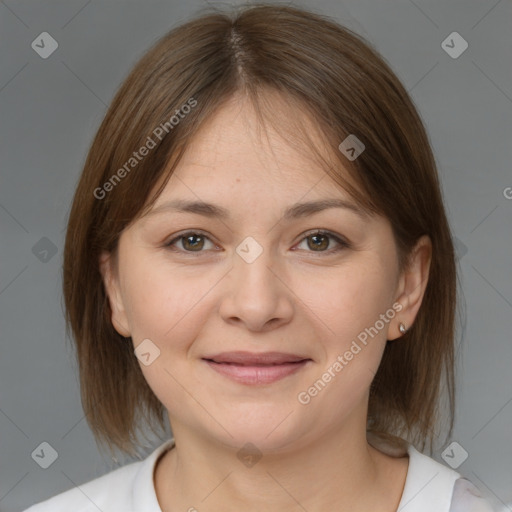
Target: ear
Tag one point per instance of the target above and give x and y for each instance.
(412, 285)
(111, 283)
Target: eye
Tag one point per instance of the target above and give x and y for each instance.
(194, 242)
(191, 241)
(318, 241)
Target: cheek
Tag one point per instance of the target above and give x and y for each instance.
(349, 304)
(169, 308)
(349, 308)
(164, 303)
(348, 301)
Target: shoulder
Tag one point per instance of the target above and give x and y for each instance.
(108, 493)
(122, 490)
(453, 493)
(430, 485)
(467, 498)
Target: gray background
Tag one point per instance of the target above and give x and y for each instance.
(49, 111)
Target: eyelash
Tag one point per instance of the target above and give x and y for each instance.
(342, 243)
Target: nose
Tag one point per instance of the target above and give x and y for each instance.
(256, 294)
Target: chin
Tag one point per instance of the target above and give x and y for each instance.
(269, 429)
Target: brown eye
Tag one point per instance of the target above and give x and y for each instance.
(193, 242)
(319, 241)
(190, 242)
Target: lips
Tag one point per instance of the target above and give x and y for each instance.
(256, 368)
(255, 359)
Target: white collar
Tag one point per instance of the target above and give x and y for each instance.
(428, 485)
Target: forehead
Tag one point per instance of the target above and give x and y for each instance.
(235, 153)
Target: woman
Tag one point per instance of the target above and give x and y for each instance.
(258, 250)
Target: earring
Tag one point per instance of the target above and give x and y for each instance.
(402, 328)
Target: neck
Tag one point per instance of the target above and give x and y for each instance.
(334, 471)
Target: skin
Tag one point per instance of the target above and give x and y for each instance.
(309, 301)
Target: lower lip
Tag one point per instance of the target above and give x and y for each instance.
(257, 374)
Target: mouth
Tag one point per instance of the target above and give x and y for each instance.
(253, 368)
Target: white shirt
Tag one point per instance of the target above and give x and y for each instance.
(429, 487)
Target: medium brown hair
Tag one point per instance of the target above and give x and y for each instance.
(335, 78)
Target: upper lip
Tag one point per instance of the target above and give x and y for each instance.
(252, 358)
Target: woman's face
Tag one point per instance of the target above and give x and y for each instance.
(256, 280)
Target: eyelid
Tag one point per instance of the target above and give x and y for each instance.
(342, 242)
(179, 236)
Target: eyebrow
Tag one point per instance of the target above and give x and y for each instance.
(295, 211)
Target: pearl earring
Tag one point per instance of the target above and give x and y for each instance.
(402, 328)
